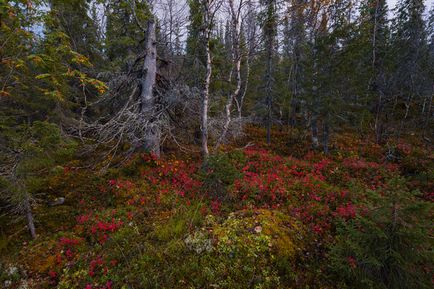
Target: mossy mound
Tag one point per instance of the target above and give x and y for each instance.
(260, 231)
(244, 249)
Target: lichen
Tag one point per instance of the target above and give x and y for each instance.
(199, 242)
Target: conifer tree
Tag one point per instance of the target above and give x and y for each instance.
(33, 100)
(269, 31)
(410, 80)
(72, 18)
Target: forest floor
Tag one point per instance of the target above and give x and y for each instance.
(261, 216)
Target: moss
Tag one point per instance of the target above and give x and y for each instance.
(245, 248)
(174, 228)
(71, 278)
(216, 253)
(263, 230)
(176, 224)
(3, 242)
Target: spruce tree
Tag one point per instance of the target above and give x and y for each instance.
(410, 80)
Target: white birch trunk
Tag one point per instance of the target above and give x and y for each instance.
(205, 92)
(205, 102)
(236, 57)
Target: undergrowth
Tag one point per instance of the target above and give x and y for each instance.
(250, 218)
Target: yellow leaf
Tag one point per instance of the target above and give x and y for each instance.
(42, 76)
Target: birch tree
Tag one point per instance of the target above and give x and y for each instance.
(235, 26)
(209, 10)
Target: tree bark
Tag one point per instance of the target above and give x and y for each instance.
(270, 38)
(147, 83)
(297, 31)
(205, 93)
(29, 217)
(314, 129)
(428, 114)
(205, 102)
(378, 125)
(376, 72)
(326, 136)
(251, 34)
(269, 116)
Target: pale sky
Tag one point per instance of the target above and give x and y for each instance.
(391, 3)
(428, 3)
